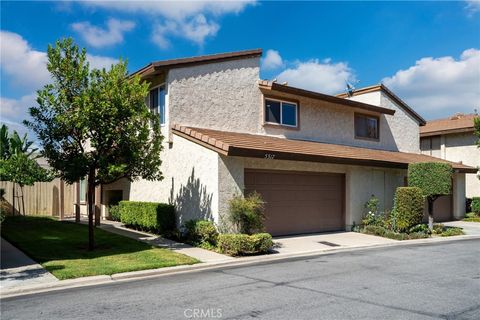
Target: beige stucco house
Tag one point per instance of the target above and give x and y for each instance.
(315, 158)
(453, 139)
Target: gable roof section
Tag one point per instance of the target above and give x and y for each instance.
(272, 87)
(259, 146)
(455, 124)
(391, 95)
(154, 67)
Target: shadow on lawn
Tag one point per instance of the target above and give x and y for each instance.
(45, 239)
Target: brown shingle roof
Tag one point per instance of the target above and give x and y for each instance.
(393, 96)
(455, 124)
(272, 87)
(258, 146)
(153, 67)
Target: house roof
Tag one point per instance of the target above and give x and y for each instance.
(454, 124)
(272, 87)
(262, 146)
(154, 67)
(391, 95)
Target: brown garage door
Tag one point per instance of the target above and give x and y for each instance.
(298, 202)
(442, 209)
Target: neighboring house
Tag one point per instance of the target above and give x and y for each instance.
(315, 158)
(453, 139)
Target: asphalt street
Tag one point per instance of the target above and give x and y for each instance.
(434, 281)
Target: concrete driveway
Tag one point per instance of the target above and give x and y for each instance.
(470, 228)
(17, 270)
(326, 241)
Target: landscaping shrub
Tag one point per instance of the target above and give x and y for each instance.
(114, 212)
(247, 213)
(244, 244)
(408, 207)
(438, 228)
(452, 231)
(198, 232)
(148, 216)
(475, 205)
(419, 228)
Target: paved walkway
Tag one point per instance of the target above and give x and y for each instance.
(17, 270)
(470, 228)
(197, 253)
(326, 241)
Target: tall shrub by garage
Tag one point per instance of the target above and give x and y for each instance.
(434, 179)
(408, 207)
(476, 205)
(148, 216)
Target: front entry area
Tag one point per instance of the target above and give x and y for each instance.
(299, 202)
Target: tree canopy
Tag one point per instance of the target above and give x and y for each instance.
(433, 178)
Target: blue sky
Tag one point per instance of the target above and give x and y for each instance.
(426, 52)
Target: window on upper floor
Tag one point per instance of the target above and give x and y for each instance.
(157, 102)
(366, 126)
(281, 112)
(82, 190)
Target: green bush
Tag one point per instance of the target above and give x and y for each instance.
(452, 231)
(438, 228)
(244, 244)
(247, 213)
(433, 178)
(419, 228)
(418, 235)
(201, 232)
(476, 205)
(408, 207)
(148, 216)
(114, 212)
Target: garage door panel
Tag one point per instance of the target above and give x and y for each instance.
(299, 202)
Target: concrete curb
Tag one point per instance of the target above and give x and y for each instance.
(204, 266)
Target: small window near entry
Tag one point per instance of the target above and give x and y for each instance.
(157, 102)
(366, 126)
(281, 112)
(82, 186)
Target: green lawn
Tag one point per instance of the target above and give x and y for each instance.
(61, 247)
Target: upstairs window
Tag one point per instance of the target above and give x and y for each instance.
(82, 190)
(366, 126)
(281, 112)
(157, 102)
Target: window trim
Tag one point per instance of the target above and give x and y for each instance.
(84, 201)
(156, 87)
(281, 100)
(370, 116)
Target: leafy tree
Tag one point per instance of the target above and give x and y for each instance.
(95, 124)
(476, 123)
(17, 162)
(434, 179)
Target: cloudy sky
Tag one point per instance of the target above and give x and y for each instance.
(426, 52)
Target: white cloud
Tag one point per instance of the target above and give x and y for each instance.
(472, 7)
(321, 76)
(98, 37)
(196, 29)
(439, 87)
(191, 20)
(14, 111)
(272, 60)
(26, 68)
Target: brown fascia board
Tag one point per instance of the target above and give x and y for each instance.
(393, 96)
(323, 97)
(153, 67)
(443, 132)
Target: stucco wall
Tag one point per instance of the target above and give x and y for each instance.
(190, 181)
(361, 182)
(223, 96)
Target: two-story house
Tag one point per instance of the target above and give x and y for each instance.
(453, 139)
(315, 158)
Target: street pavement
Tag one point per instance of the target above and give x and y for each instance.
(425, 281)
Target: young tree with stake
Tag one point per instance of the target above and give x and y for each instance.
(95, 124)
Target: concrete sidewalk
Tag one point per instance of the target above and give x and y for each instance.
(18, 270)
(155, 240)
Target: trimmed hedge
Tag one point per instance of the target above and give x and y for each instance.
(434, 178)
(244, 244)
(148, 216)
(476, 205)
(408, 207)
(200, 232)
(114, 212)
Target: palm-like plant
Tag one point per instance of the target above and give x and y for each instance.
(14, 144)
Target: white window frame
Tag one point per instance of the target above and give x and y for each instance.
(157, 87)
(281, 112)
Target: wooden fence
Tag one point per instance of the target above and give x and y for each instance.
(55, 198)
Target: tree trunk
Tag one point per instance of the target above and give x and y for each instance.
(430, 213)
(91, 208)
